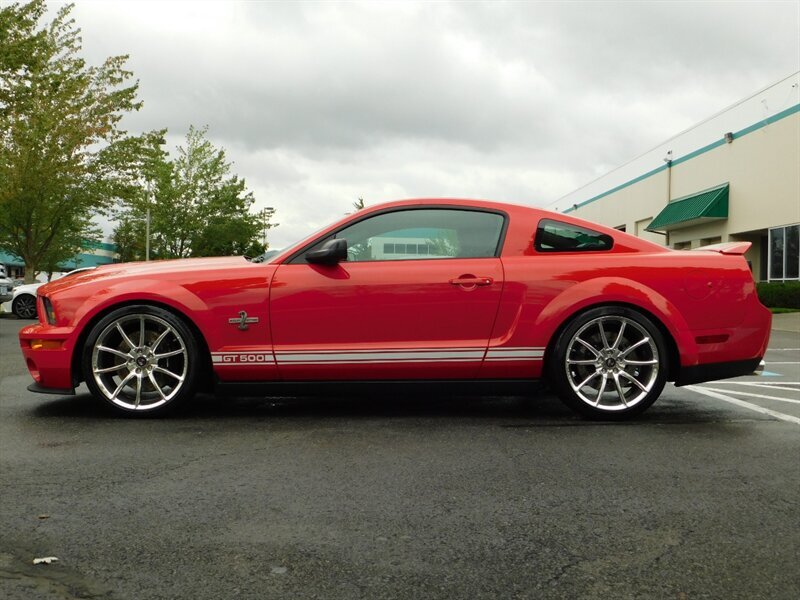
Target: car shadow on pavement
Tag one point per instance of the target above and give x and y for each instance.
(544, 410)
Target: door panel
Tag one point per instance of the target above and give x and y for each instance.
(403, 319)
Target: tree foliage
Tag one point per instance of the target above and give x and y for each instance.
(63, 155)
(197, 207)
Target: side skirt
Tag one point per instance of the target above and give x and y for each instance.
(460, 387)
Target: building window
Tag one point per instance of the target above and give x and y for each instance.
(682, 245)
(784, 253)
(710, 241)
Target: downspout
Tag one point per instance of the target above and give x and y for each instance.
(668, 160)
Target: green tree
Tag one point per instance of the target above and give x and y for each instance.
(63, 156)
(197, 207)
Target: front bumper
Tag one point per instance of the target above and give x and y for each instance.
(50, 365)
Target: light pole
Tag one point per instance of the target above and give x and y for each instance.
(265, 216)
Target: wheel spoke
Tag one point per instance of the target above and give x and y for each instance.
(125, 337)
(160, 339)
(113, 351)
(110, 369)
(625, 352)
(141, 331)
(587, 380)
(603, 334)
(588, 346)
(620, 391)
(619, 336)
(633, 380)
(639, 363)
(601, 390)
(155, 385)
(138, 392)
(168, 354)
(581, 362)
(122, 385)
(165, 372)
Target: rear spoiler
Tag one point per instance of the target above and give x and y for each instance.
(737, 248)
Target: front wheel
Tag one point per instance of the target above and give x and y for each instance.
(141, 359)
(609, 363)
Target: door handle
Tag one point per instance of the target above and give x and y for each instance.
(472, 281)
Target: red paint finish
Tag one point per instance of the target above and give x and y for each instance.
(380, 306)
(435, 318)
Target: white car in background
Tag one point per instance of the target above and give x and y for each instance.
(23, 299)
(6, 285)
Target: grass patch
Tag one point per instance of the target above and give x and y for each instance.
(782, 311)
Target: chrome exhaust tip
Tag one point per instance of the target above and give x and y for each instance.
(760, 368)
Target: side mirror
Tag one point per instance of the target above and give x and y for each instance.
(332, 252)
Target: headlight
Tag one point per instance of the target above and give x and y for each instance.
(49, 313)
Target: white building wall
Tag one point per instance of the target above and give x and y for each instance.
(761, 166)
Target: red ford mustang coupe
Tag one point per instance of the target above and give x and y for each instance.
(445, 293)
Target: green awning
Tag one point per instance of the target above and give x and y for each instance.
(709, 205)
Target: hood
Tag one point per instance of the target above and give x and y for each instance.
(140, 269)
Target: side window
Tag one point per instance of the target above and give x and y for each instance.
(555, 236)
(425, 233)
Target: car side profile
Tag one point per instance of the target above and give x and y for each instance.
(443, 293)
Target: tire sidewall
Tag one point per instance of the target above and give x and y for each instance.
(558, 376)
(192, 353)
(15, 304)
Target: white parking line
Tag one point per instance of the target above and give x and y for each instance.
(743, 404)
(766, 385)
(759, 383)
(740, 393)
(791, 362)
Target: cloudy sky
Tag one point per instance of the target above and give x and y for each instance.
(320, 103)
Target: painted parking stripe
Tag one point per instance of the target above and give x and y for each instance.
(766, 385)
(769, 383)
(743, 404)
(751, 395)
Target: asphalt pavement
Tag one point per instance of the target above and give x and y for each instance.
(388, 497)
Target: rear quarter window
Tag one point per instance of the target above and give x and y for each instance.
(556, 236)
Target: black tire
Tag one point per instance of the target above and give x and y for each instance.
(24, 306)
(609, 363)
(141, 359)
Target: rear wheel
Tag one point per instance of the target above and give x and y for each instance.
(609, 363)
(141, 359)
(24, 306)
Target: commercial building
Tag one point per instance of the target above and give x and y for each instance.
(735, 176)
(94, 254)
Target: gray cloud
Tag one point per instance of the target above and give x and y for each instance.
(319, 103)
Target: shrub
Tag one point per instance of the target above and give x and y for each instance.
(779, 294)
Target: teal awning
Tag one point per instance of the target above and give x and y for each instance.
(708, 205)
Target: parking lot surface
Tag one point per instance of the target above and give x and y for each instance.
(388, 497)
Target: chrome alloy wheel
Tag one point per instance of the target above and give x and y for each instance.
(612, 363)
(139, 362)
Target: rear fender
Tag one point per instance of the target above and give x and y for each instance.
(615, 290)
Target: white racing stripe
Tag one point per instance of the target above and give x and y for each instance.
(386, 356)
(336, 357)
(743, 404)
